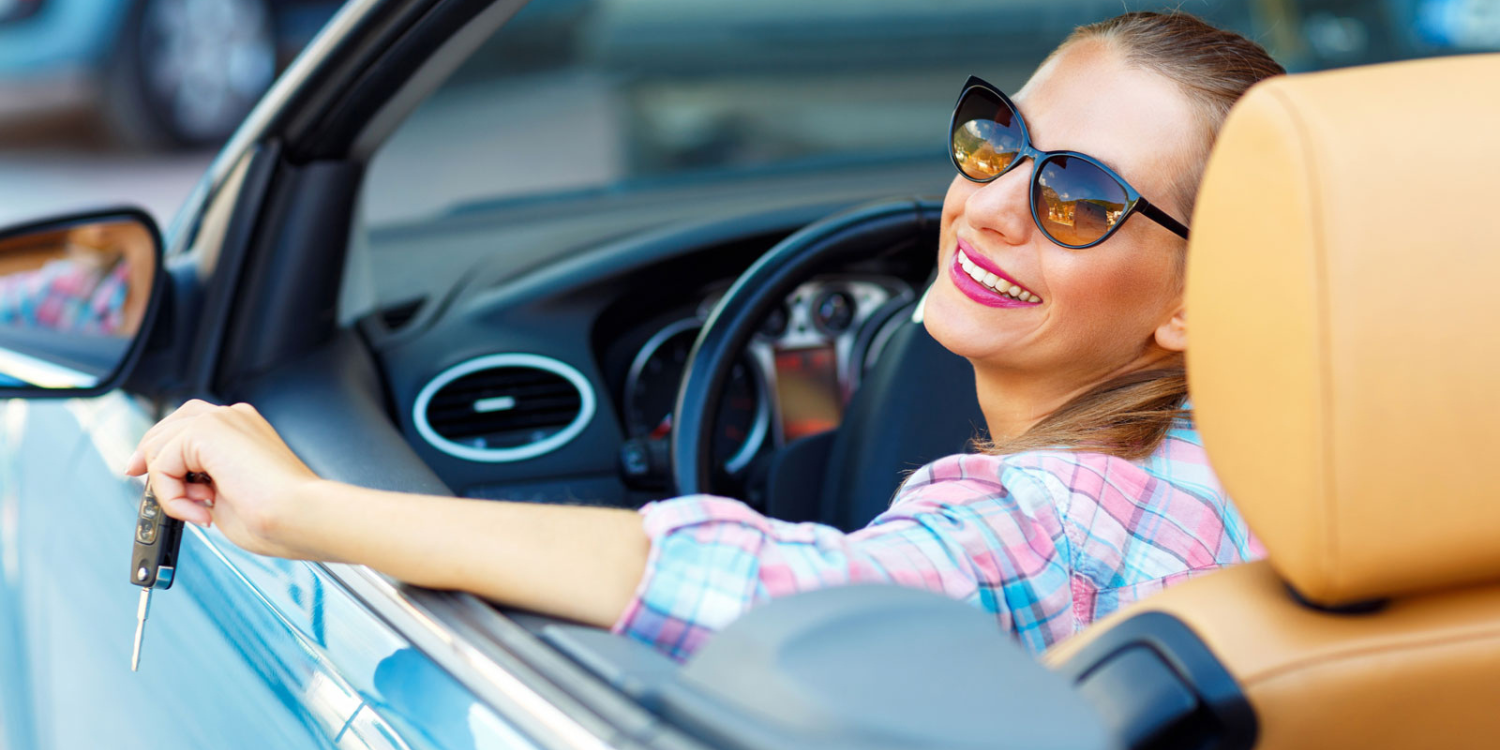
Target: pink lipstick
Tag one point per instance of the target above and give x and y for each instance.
(984, 282)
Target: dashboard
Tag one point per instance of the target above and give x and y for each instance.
(556, 380)
(793, 380)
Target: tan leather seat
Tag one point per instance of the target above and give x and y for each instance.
(1344, 299)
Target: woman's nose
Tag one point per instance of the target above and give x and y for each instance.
(1003, 206)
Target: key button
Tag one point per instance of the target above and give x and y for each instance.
(149, 508)
(145, 532)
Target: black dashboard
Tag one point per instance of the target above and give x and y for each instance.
(556, 382)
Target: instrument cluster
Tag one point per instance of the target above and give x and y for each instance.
(793, 380)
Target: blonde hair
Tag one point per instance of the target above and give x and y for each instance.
(1130, 415)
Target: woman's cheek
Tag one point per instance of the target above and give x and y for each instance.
(1114, 301)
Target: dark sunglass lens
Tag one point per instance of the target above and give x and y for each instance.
(1077, 202)
(986, 135)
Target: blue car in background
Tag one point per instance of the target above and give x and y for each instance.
(158, 72)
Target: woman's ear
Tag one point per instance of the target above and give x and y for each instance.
(1172, 335)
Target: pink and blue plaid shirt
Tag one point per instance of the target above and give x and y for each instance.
(1046, 541)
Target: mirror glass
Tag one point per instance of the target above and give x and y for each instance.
(73, 296)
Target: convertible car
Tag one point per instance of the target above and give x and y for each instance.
(613, 274)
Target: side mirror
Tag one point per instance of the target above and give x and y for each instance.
(77, 297)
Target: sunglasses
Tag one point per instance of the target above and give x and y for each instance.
(1076, 200)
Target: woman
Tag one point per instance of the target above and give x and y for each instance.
(1093, 492)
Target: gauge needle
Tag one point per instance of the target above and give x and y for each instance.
(663, 429)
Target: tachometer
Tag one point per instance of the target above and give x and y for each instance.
(651, 394)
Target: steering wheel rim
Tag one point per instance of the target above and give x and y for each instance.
(844, 236)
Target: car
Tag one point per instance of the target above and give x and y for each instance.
(566, 271)
(164, 73)
(158, 73)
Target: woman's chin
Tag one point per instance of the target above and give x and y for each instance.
(958, 329)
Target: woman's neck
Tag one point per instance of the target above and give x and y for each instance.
(1014, 401)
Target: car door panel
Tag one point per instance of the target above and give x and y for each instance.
(242, 650)
(35, 440)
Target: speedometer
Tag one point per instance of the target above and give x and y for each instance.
(651, 394)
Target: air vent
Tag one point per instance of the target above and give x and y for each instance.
(504, 407)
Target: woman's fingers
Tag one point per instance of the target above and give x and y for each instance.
(168, 479)
(248, 472)
(200, 493)
(163, 431)
(152, 444)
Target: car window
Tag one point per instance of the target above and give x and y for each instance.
(573, 96)
(588, 94)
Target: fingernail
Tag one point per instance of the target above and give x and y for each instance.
(202, 524)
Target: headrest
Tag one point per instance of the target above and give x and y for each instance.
(1344, 318)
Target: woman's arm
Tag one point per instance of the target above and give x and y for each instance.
(581, 563)
(577, 562)
(670, 576)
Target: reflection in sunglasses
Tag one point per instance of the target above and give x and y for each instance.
(1079, 221)
(976, 151)
(1074, 201)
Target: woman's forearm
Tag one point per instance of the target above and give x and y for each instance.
(580, 563)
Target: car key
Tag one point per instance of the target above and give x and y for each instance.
(153, 558)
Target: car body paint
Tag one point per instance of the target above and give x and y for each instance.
(243, 651)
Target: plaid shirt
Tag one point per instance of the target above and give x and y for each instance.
(1046, 541)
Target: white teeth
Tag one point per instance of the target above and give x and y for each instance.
(994, 282)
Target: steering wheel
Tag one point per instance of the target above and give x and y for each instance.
(838, 239)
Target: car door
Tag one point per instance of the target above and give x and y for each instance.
(242, 650)
(227, 648)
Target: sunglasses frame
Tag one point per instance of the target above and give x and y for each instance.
(1135, 202)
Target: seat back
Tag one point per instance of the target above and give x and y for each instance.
(1344, 363)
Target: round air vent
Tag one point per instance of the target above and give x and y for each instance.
(503, 407)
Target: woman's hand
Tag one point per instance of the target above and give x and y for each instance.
(257, 482)
(572, 561)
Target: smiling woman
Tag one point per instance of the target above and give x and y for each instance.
(1068, 306)
(1156, 116)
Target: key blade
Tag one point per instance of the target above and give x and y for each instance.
(140, 628)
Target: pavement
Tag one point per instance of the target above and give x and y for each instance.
(57, 167)
(469, 143)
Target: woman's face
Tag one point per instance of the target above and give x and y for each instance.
(1104, 309)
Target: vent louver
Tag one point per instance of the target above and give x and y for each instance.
(504, 407)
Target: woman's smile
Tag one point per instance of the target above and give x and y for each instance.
(983, 281)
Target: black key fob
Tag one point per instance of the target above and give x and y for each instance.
(153, 561)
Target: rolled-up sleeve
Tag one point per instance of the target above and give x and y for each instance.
(955, 528)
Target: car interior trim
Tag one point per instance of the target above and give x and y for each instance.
(494, 361)
(285, 305)
(408, 39)
(1133, 673)
(762, 424)
(220, 249)
(429, 76)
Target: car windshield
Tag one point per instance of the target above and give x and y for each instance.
(573, 96)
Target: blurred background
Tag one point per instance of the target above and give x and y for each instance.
(103, 101)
